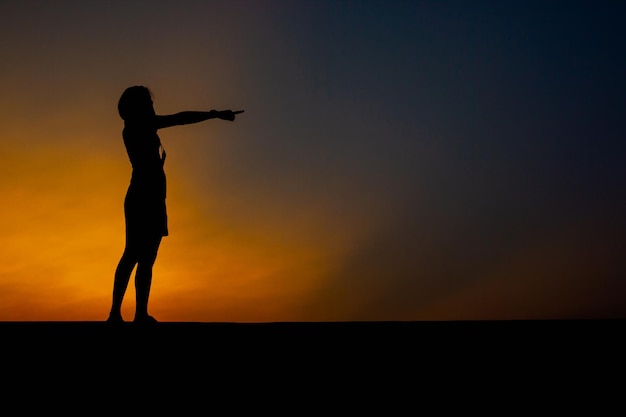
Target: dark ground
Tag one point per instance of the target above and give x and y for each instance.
(315, 360)
(286, 341)
(366, 337)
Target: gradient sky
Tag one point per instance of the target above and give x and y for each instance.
(397, 160)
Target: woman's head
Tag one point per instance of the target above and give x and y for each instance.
(135, 103)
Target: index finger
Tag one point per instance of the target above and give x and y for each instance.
(238, 111)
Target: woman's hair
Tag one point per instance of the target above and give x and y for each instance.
(135, 102)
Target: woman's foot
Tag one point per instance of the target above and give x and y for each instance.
(115, 318)
(145, 320)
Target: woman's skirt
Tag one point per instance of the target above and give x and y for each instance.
(146, 217)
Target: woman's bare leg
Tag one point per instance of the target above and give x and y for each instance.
(122, 276)
(143, 280)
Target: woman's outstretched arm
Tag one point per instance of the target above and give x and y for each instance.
(188, 117)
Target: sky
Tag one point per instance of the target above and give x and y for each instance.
(396, 160)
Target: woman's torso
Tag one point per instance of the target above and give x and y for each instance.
(143, 147)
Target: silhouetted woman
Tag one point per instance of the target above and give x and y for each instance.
(144, 206)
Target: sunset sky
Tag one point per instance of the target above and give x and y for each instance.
(397, 160)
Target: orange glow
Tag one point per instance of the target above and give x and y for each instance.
(63, 233)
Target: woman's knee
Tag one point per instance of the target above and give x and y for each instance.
(148, 254)
(143, 250)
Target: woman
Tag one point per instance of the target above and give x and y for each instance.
(144, 206)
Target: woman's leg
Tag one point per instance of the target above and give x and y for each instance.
(143, 278)
(122, 276)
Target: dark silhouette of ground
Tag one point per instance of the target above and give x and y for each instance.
(91, 365)
(401, 337)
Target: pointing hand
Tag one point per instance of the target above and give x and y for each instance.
(229, 114)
